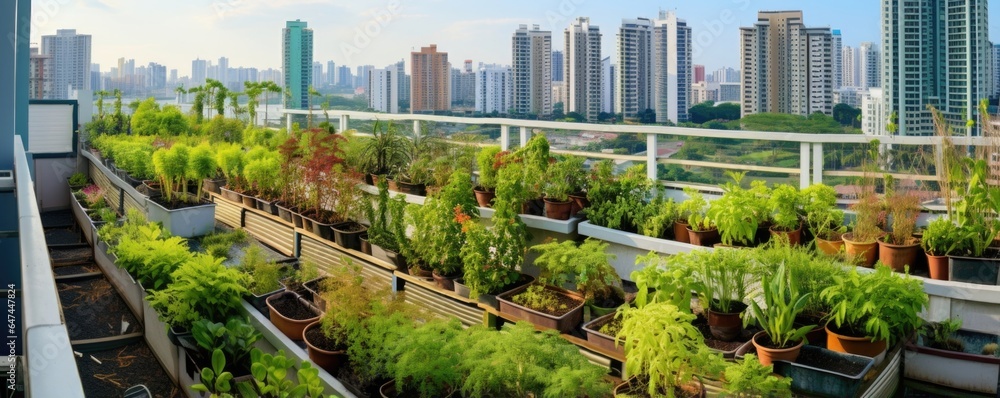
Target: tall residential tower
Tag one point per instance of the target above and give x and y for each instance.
(297, 60)
(70, 62)
(430, 81)
(532, 65)
(583, 68)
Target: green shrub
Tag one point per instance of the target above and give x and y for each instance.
(202, 288)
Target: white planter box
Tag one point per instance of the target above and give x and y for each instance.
(960, 370)
(120, 278)
(155, 333)
(187, 222)
(627, 246)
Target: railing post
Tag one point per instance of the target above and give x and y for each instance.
(524, 137)
(817, 163)
(345, 122)
(804, 165)
(504, 137)
(652, 150)
(288, 121)
(416, 128)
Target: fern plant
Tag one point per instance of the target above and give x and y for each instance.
(427, 359)
(588, 265)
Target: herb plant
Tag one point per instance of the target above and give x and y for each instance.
(823, 217)
(215, 380)
(78, 179)
(749, 379)
(721, 277)
(786, 201)
(942, 238)
(202, 288)
(658, 282)
(942, 335)
(437, 235)
(782, 303)
(235, 338)
(904, 209)
(879, 305)
(485, 160)
(587, 265)
(428, 358)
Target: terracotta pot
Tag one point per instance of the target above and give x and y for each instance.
(794, 237)
(767, 355)
(331, 361)
(853, 345)
(292, 328)
(829, 247)
(446, 282)
(862, 253)
(249, 201)
(680, 232)
(898, 256)
(558, 210)
(938, 267)
(580, 202)
(703, 238)
(484, 197)
(725, 326)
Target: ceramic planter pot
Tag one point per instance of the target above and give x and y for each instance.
(726, 326)
(185, 222)
(898, 256)
(230, 195)
(445, 282)
(564, 323)
(484, 196)
(681, 232)
(863, 346)
(982, 271)
(829, 247)
(348, 235)
(292, 328)
(213, 185)
(601, 340)
(863, 253)
(793, 237)
(703, 238)
(767, 355)
(580, 202)
(331, 361)
(558, 210)
(937, 266)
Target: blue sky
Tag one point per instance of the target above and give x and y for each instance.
(380, 32)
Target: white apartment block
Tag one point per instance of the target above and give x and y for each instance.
(532, 71)
(634, 85)
(494, 90)
(873, 115)
(673, 71)
(69, 55)
(383, 95)
(583, 72)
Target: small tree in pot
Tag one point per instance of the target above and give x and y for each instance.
(201, 166)
(899, 248)
(171, 168)
(560, 179)
(722, 283)
(487, 182)
(941, 239)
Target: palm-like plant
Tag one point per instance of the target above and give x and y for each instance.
(385, 151)
(268, 87)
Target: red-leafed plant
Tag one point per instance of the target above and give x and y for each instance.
(324, 158)
(291, 170)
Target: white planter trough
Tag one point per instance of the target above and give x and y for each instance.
(969, 370)
(129, 289)
(187, 222)
(155, 333)
(627, 246)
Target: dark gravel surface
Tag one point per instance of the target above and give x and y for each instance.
(58, 218)
(93, 309)
(71, 255)
(75, 269)
(122, 368)
(62, 236)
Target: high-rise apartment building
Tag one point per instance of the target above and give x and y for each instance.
(787, 67)
(837, 46)
(223, 74)
(494, 89)
(39, 78)
(996, 70)
(361, 77)
(850, 69)
(70, 61)
(532, 63)
(156, 76)
(557, 66)
(297, 60)
(608, 83)
(96, 81)
(672, 68)
(384, 93)
(330, 78)
(317, 74)
(344, 76)
(583, 72)
(634, 84)
(430, 80)
(869, 65)
(463, 86)
(199, 72)
(873, 115)
(724, 75)
(934, 53)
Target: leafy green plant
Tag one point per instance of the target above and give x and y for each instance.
(657, 217)
(942, 335)
(388, 219)
(812, 274)
(235, 338)
(106, 215)
(202, 288)
(534, 364)
(749, 378)
(786, 201)
(880, 305)
(485, 160)
(976, 212)
(310, 385)
(135, 158)
(437, 236)
(151, 258)
(823, 217)
(562, 178)
(942, 238)
(428, 358)
(692, 210)
(201, 165)
(736, 214)
(270, 372)
(782, 303)
(215, 380)
(865, 228)
(262, 276)
(534, 157)
(384, 151)
(230, 161)
(263, 175)
(904, 209)
(658, 282)
(93, 197)
(219, 243)
(171, 167)
(614, 199)
(587, 265)
(78, 179)
(663, 347)
(721, 277)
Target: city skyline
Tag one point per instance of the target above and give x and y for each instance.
(243, 30)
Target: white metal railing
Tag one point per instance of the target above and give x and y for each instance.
(811, 152)
(51, 366)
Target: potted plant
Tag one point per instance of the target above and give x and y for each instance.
(945, 354)
(201, 288)
(230, 161)
(437, 237)
(588, 266)
(977, 264)
(384, 151)
(737, 214)
(663, 351)
(290, 313)
(414, 178)
(263, 177)
(263, 277)
(347, 208)
(486, 184)
(941, 239)
(544, 305)
(201, 167)
(322, 169)
(235, 339)
(613, 198)
(860, 244)
(535, 159)
(387, 232)
(786, 202)
(780, 339)
(290, 188)
(749, 378)
(427, 360)
(721, 281)
(701, 230)
(825, 220)
(899, 248)
(492, 257)
(868, 312)
(560, 177)
(77, 181)
(181, 213)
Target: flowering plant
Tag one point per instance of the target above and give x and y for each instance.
(93, 195)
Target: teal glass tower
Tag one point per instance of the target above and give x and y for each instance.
(297, 60)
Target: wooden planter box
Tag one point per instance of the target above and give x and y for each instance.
(565, 323)
(969, 370)
(187, 222)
